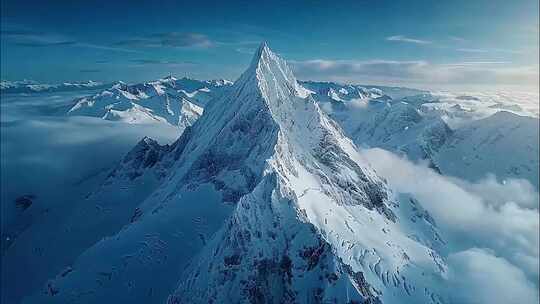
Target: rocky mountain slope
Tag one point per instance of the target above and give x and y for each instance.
(262, 200)
(462, 136)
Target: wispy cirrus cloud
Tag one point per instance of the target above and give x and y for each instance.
(475, 63)
(35, 39)
(170, 39)
(45, 44)
(159, 62)
(104, 47)
(488, 50)
(89, 70)
(244, 50)
(39, 39)
(418, 72)
(467, 50)
(384, 68)
(402, 38)
(457, 39)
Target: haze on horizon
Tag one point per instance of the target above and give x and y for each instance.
(425, 44)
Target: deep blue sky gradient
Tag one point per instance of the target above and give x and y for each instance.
(142, 40)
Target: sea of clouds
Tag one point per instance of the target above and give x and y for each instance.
(492, 228)
(59, 158)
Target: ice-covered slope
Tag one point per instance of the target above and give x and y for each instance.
(467, 136)
(217, 160)
(376, 120)
(503, 144)
(178, 102)
(309, 220)
(319, 227)
(401, 128)
(57, 235)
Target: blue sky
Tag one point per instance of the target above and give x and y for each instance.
(416, 43)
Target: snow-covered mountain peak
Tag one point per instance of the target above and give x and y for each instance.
(308, 190)
(220, 82)
(271, 75)
(169, 78)
(261, 51)
(305, 219)
(267, 122)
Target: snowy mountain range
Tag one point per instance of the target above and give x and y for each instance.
(283, 193)
(460, 136)
(414, 123)
(30, 86)
(265, 197)
(503, 144)
(178, 102)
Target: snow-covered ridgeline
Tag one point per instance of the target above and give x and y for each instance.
(178, 102)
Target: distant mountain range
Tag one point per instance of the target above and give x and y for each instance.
(260, 200)
(415, 123)
(30, 86)
(265, 196)
(178, 102)
(411, 122)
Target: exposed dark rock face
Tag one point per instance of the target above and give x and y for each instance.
(268, 261)
(147, 154)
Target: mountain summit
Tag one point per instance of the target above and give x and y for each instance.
(271, 72)
(262, 200)
(320, 225)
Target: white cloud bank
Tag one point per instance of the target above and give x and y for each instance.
(503, 218)
(53, 157)
(480, 277)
